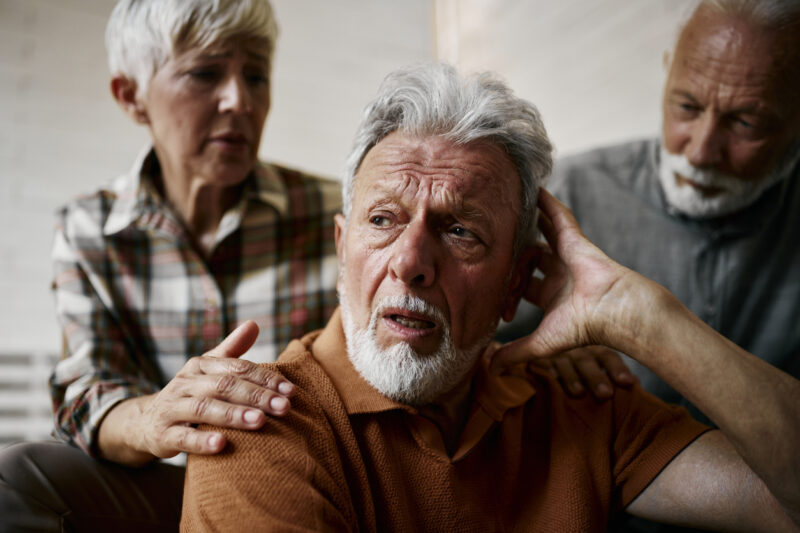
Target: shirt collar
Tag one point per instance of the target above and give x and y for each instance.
(269, 187)
(133, 192)
(137, 201)
(492, 395)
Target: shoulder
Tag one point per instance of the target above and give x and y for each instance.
(308, 428)
(631, 409)
(289, 471)
(314, 390)
(630, 438)
(619, 162)
(85, 215)
(608, 157)
(325, 191)
(292, 445)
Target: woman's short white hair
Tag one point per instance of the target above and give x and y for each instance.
(142, 35)
(434, 100)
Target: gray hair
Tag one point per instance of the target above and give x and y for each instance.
(434, 100)
(142, 35)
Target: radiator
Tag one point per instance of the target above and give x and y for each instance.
(24, 399)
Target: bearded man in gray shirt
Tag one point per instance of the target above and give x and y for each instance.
(711, 210)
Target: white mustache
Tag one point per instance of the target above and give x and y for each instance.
(413, 304)
(704, 177)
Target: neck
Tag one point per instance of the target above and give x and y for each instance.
(200, 206)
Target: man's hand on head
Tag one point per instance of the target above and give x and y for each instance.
(216, 388)
(585, 297)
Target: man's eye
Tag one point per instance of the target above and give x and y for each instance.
(461, 232)
(380, 221)
(688, 108)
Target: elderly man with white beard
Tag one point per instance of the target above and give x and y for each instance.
(710, 209)
(405, 416)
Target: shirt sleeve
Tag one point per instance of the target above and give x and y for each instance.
(649, 434)
(98, 367)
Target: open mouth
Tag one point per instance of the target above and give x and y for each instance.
(413, 323)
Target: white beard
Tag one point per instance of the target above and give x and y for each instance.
(736, 193)
(398, 371)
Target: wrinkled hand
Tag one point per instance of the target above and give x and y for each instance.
(596, 368)
(215, 388)
(583, 292)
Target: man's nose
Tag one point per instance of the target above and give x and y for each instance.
(234, 95)
(706, 145)
(413, 256)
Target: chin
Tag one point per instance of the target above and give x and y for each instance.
(402, 373)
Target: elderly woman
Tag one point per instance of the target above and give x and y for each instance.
(197, 241)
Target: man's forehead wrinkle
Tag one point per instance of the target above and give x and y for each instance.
(714, 57)
(713, 61)
(721, 74)
(726, 48)
(442, 197)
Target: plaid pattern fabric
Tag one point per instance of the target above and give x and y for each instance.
(135, 299)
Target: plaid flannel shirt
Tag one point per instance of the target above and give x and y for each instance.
(135, 299)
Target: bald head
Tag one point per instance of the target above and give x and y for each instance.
(773, 26)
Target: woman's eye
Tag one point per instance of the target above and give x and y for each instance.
(203, 74)
(257, 78)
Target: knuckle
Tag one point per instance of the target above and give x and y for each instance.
(191, 366)
(200, 406)
(272, 380)
(230, 415)
(177, 385)
(258, 396)
(239, 366)
(225, 383)
(181, 441)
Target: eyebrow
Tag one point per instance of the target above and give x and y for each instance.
(756, 109)
(684, 93)
(466, 209)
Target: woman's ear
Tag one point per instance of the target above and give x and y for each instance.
(521, 277)
(124, 91)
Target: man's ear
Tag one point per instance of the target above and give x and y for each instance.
(521, 277)
(338, 235)
(124, 91)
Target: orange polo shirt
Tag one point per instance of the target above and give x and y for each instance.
(347, 458)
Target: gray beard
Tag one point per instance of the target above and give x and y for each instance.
(736, 195)
(398, 371)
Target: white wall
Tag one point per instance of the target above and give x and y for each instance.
(592, 67)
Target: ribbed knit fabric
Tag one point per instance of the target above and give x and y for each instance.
(348, 459)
